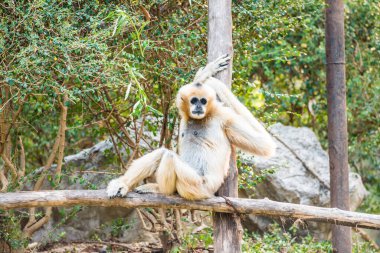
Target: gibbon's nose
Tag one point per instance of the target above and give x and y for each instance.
(198, 110)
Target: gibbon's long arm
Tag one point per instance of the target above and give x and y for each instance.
(242, 128)
(229, 99)
(241, 134)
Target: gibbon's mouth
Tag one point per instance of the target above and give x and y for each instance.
(197, 112)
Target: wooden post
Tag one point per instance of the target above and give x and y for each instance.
(227, 227)
(337, 119)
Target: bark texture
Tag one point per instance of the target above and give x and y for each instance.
(337, 119)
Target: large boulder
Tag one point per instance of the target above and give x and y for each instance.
(301, 175)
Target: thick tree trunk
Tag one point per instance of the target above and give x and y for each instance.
(337, 120)
(227, 227)
(263, 207)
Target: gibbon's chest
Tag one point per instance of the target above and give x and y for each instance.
(203, 135)
(204, 146)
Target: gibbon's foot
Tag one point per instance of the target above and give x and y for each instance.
(116, 188)
(147, 188)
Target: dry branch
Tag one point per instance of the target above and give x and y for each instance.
(264, 207)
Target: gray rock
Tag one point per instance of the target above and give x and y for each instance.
(298, 155)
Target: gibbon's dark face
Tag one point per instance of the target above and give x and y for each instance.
(198, 106)
(196, 101)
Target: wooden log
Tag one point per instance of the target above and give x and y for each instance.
(264, 207)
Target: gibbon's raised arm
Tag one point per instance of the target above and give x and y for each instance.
(212, 68)
(229, 99)
(241, 134)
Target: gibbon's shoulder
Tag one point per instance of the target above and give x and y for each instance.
(224, 113)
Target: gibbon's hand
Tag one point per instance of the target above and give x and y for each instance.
(212, 68)
(219, 64)
(116, 188)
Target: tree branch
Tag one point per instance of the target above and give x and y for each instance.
(264, 207)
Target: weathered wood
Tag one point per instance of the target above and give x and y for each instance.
(227, 227)
(264, 207)
(337, 119)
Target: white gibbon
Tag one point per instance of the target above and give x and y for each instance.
(212, 119)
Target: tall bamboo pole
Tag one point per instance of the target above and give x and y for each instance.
(227, 227)
(337, 119)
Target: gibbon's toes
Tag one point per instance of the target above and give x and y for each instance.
(140, 191)
(146, 188)
(116, 189)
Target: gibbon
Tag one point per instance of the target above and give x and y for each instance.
(212, 119)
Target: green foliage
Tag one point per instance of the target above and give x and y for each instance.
(272, 241)
(278, 240)
(363, 94)
(193, 242)
(248, 178)
(118, 226)
(10, 230)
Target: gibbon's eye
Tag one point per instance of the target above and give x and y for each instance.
(203, 101)
(193, 101)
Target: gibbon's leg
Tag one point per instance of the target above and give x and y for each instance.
(189, 183)
(174, 174)
(165, 177)
(140, 168)
(171, 174)
(212, 68)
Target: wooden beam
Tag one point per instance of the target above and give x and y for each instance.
(264, 207)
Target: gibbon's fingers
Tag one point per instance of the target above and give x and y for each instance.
(221, 62)
(223, 58)
(218, 66)
(212, 68)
